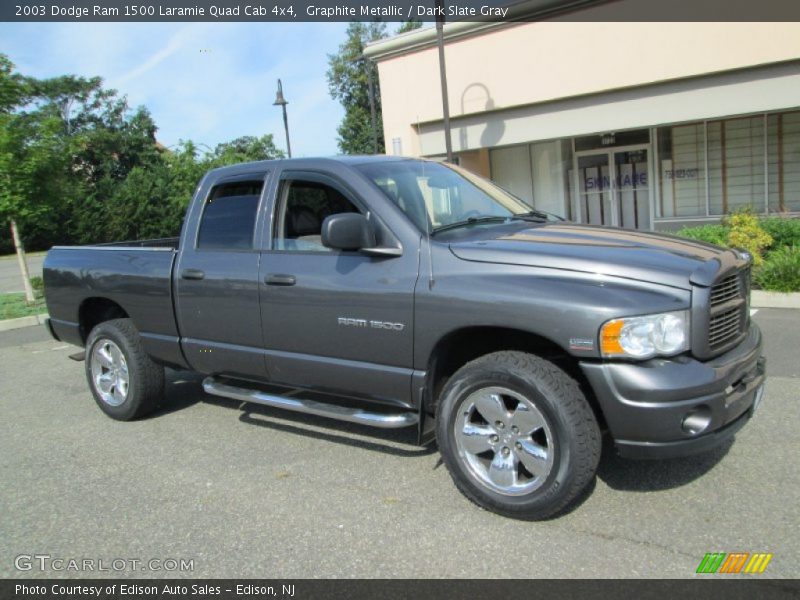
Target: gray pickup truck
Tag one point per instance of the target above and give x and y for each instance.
(409, 293)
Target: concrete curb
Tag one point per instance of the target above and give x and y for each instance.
(9, 324)
(762, 299)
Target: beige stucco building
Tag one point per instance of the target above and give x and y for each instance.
(646, 125)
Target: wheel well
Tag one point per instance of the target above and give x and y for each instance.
(94, 311)
(460, 347)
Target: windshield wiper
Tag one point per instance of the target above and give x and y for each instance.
(536, 216)
(470, 221)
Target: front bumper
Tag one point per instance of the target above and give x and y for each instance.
(645, 404)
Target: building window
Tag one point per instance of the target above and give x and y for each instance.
(682, 177)
(536, 173)
(783, 143)
(511, 169)
(551, 164)
(735, 165)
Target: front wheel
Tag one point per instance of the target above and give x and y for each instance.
(517, 435)
(125, 382)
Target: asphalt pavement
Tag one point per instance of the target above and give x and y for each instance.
(247, 491)
(10, 278)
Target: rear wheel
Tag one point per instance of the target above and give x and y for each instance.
(517, 435)
(125, 382)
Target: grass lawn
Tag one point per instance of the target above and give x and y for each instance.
(27, 254)
(13, 306)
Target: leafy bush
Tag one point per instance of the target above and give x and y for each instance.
(713, 234)
(37, 283)
(746, 233)
(784, 231)
(780, 271)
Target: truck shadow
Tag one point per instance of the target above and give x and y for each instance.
(655, 475)
(184, 389)
(338, 432)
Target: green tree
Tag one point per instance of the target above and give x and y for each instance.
(409, 25)
(31, 151)
(246, 149)
(77, 165)
(66, 145)
(349, 76)
(13, 86)
(153, 198)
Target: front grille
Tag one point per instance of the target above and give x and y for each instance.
(728, 314)
(727, 289)
(722, 328)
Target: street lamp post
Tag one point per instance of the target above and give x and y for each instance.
(281, 101)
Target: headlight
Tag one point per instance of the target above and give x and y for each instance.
(642, 337)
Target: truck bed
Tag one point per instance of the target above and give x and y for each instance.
(79, 280)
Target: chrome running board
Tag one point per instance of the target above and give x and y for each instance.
(312, 407)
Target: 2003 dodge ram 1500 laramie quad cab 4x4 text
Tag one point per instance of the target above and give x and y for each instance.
(401, 292)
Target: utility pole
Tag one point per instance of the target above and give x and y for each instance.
(23, 264)
(443, 77)
(368, 65)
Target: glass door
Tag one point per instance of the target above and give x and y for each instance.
(594, 190)
(632, 188)
(614, 187)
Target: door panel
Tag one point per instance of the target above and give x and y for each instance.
(329, 312)
(219, 316)
(346, 323)
(217, 282)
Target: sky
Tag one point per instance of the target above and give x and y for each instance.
(205, 82)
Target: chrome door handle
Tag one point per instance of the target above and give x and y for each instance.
(279, 279)
(192, 274)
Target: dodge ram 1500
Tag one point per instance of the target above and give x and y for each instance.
(409, 293)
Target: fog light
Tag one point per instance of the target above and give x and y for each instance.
(697, 420)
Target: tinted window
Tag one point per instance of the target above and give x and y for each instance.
(304, 206)
(229, 216)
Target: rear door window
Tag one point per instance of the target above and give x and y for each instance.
(229, 216)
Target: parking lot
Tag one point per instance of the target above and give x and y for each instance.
(249, 491)
(10, 278)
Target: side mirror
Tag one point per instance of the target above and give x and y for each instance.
(347, 231)
(352, 231)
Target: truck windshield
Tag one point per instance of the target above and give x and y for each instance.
(438, 196)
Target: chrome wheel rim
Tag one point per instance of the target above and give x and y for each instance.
(504, 441)
(109, 372)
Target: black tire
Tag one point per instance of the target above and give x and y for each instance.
(145, 379)
(566, 448)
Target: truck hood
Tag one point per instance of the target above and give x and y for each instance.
(643, 256)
